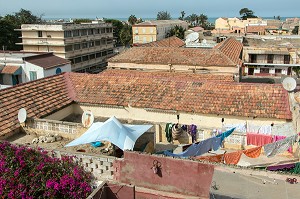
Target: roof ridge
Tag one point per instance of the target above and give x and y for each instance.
(70, 86)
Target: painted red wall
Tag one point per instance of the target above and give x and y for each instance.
(176, 175)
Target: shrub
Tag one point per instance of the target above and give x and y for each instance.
(28, 173)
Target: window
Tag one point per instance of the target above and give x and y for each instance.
(85, 58)
(58, 71)
(144, 39)
(252, 58)
(151, 30)
(32, 75)
(144, 30)
(136, 38)
(68, 48)
(91, 31)
(109, 41)
(77, 60)
(84, 45)
(92, 56)
(270, 58)
(98, 54)
(264, 70)
(76, 46)
(40, 34)
(104, 53)
(83, 32)
(287, 59)
(68, 33)
(97, 43)
(75, 33)
(97, 31)
(103, 41)
(102, 30)
(110, 51)
(136, 30)
(91, 44)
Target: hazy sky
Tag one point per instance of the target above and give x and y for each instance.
(149, 8)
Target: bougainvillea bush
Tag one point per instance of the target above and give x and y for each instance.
(29, 173)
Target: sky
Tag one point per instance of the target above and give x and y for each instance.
(149, 8)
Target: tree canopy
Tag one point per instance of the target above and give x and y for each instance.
(132, 19)
(81, 20)
(10, 22)
(126, 35)
(118, 25)
(163, 15)
(178, 31)
(247, 13)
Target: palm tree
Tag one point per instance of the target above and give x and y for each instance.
(182, 15)
(132, 19)
(203, 20)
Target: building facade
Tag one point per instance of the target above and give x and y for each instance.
(269, 57)
(20, 67)
(155, 30)
(87, 46)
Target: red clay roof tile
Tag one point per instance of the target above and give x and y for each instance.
(9, 69)
(168, 42)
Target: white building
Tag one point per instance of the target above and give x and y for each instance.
(21, 67)
(87, 46)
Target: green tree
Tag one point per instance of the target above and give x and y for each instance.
(163, 15)
(182, 15)
(132, 19)
(178, 31)
(297, 71)
(192, 19)
(203, 20)
(118, 25)
(9, 22)
(247, 13)
(81, 20)
(295, 31)
(126, 35)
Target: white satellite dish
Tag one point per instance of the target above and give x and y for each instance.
(87, 118)
(289, 83)
(192, 37)
(22, 115)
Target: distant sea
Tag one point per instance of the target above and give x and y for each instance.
(210, 19)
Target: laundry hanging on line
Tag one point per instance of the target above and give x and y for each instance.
(279, 146)
(203, 146)
(238, 127)
(264, 129)
(258, 139)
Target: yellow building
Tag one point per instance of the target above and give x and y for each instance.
(87, 46)
(155, 30)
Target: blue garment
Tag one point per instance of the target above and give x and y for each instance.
(198, 149)
(225, 134)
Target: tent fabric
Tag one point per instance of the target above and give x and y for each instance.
(123, 136)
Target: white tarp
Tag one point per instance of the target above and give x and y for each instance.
(123, 136)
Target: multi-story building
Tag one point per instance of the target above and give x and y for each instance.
(270, 57)
(87, 46)
(155, 30)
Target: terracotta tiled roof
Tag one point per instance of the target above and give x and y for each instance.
(168, 42)
(47, 60)
(232, 49)
(190, 93)
(254, 29)
(225, 55)
(40, 98)
(9, 69)
(148, 90)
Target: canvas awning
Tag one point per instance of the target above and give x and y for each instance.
(123, 136)
(11, 70)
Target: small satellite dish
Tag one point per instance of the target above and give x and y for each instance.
(87, 118)
(192, 37)
(289, 83)
(22, 115)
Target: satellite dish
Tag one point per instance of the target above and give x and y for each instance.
(289, 83)
(22, 115)
(192, 37)
(87, 118)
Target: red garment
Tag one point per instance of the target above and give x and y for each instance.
(253, 152)
(212, 158)
(258, 139)
(232, 158)
(279, 137)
